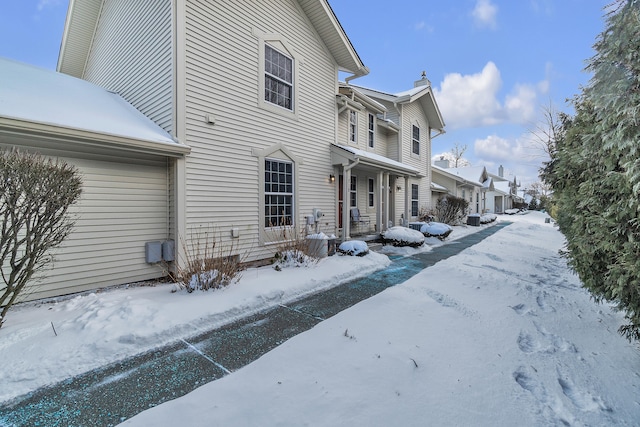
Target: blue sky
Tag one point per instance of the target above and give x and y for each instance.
(493, 64)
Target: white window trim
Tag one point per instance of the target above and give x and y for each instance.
(371, 192)
(353, 127)
(280, 44)
(371, 127)
(419, 140)
(415, 200)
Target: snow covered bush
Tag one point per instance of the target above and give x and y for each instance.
(294, 249)
(353, 248)
(451, 210)
(208, 264)
(35, 196)
(488, 218)
(436, 229)
(402, 236)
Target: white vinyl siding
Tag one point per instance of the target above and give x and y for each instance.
(353, 127)
(131, 55)
(221, 171)
(122, 206)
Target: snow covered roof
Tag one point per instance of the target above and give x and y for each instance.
(438, 188)
(448, 173)
(31, 96)
(423, 94)
(340, 152)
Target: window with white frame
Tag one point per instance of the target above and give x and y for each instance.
(278, 78)
(372, 130)
(278, 193)
(353, 195)
(415, 140)
(414, 199)
(371, 192)
(353, 126)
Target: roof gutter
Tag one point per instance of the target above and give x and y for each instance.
(360, 73)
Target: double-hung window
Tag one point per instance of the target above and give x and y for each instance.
(278, 193)
(278, 78)
(353, 126)
(414, 199)
(353, 195)
(372, 131)
(371, 193)
(415, 140)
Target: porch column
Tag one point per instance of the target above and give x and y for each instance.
(346, 204)
(407, 201)
(380, 192)
(385, 198)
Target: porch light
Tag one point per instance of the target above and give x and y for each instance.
(332, 178)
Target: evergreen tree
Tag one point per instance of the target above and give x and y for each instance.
(595, 171)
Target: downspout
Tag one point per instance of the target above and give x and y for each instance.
(346, 212)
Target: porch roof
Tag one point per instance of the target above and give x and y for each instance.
(344, 155)
(438, 188)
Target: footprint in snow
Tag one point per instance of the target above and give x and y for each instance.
(582, 399)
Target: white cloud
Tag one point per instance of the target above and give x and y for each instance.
(42, 4)
(470, 100)
(485, 14)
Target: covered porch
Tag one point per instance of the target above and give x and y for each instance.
(370, 186)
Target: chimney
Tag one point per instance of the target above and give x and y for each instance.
(424, 81)
(442, 163)
(501, 172)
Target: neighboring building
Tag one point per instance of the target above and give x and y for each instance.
(493, 194)
(384, 144)
(457, 185)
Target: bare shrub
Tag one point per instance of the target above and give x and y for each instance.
(35, 196)
(293, 248)
(207, 264)
(451, 209)
(426, 215)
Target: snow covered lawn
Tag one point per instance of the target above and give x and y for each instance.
(500, 335)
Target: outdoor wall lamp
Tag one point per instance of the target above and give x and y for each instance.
(332, 178)
(398, 188)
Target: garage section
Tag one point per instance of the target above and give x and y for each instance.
(123, 206)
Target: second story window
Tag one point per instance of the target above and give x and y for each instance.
(278, 78)
(353, 126)
(372, 130)
(415, 140)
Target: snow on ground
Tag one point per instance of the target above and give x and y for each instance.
(499, 335)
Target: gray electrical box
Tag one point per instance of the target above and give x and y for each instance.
(153, 252)
(168, 250)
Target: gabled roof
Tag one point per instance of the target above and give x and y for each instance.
(82, 17)
(464, 179)
(343, 154)
(423, 94)
(358, 96)
(34, 100)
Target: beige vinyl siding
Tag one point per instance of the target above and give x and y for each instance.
(222, 66)
(131, 54)
(123, 205)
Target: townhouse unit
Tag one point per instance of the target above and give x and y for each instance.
(249, 133)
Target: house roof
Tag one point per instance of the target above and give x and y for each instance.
(422, 94)
(57, 104)
(340, 154)
(464, 180)
(438, 188)
(82, 17)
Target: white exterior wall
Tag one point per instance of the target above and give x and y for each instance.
(132, 55)
(222, 79)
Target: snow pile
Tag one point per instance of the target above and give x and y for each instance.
(353, 248)
(402, 236)
(499, 335)
(436, 229)
(511, 211)
(488, 218)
